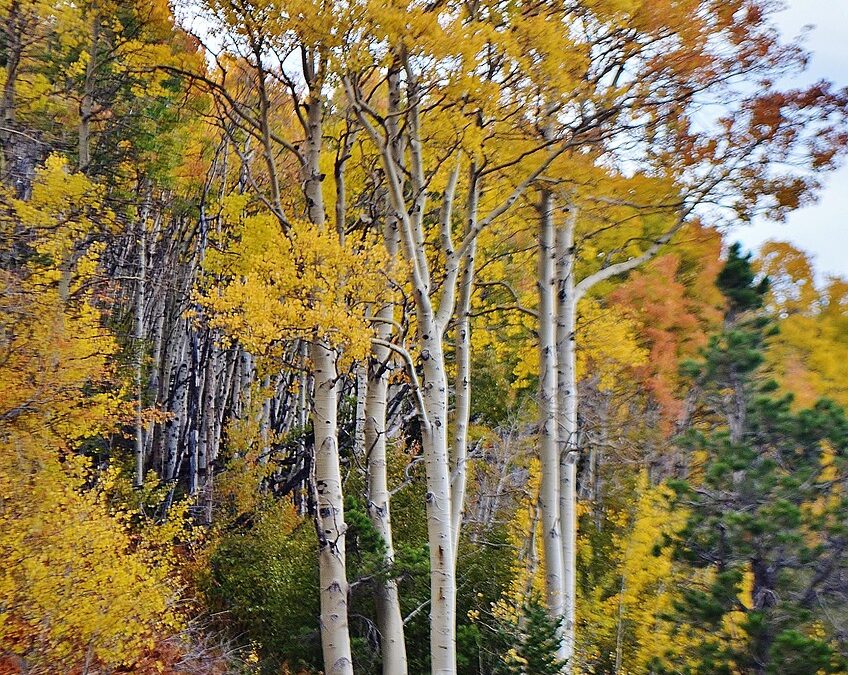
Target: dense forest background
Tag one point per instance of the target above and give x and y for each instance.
(410, 337)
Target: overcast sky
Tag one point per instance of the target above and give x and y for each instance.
(822, 229)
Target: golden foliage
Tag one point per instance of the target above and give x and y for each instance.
(623, 614)
(302, 283)
(808, 355)
(77, 586)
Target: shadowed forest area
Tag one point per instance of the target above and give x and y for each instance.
(410, 337)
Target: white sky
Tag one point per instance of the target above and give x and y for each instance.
(821, 229)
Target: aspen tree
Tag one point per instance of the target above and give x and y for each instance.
(566, 315)
(387, 600)
(462, 350)
(549, 450)
(433, 312)
(138, 338)
(692, 170)
(386, 597)
(258, 41)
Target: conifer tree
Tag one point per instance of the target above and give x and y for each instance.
(766, 536)
(534, 646)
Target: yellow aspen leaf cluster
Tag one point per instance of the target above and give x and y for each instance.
(809, 354)
(608, 346)
(301, 283)
(626, 613)
(76, 588)
(64, 212)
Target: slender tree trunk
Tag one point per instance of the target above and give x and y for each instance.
(405, 174)
(462, 395)
(359, 421)
(180, 373)
(210, 417)
(265, 134)
(335, 637)
(462, 383)
(87, 101)
(192, 420)
(246, 377)
(439, 519)
(312, 176)
(386, 597)
(387, 602)
(548, 420)
(329, 518)
(567, 401)
(265, 420)
(154, 380)
(302, 418)
(430, 334)
(139, 347)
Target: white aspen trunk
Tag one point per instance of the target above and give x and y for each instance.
(245, 382)
(431, 325)
(171, 344)
(567, 395)
(205, 414)
(195, 397)
(410, 178)
(265, 420)
(335, 635)
(386, 596)
(139, 348)
(180, 373)
(226, 397)
(386, 599)
(207, 434)
(462, 402)
(434, 439)
(156, 369)
(302, 416)
(568, 478)
(462, 383)
(222, 394)
(439, 519)
(312, 176)
(567, 399)
(302, 389)
(329, 518)
(548, 420)
(265, 134)
(359, 418)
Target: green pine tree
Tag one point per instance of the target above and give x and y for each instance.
(531, 647)
(768, 504)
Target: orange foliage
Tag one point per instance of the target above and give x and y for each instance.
(675, 301)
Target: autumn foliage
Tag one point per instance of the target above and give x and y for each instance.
(409, 337)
